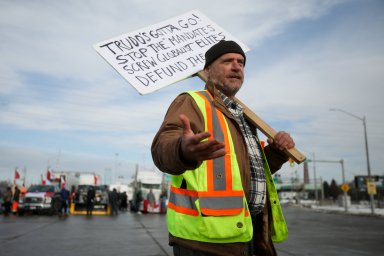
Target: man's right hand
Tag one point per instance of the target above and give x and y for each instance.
(194, 149)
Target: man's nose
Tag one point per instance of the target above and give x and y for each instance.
(236, 65)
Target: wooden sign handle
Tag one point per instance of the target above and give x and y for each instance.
(267, 130)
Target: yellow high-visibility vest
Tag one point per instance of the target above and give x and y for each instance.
(208, 204)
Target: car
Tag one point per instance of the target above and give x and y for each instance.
(40, 199)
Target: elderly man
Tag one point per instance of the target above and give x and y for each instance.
(222, 200)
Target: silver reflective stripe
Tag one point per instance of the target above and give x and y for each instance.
(219, 177)
(183, 200)
(222, 203)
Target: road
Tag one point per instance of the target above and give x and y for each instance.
(326, 234)
(310, 233)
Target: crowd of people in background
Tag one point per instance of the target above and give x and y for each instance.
(9, 199)
(118, 201)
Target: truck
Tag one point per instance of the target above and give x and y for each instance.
(79, 183)
(88, 178)
(101, 198)
(144, 182)
(40, 199)
(73, 179)
(79, 201)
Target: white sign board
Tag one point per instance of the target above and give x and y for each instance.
(159, 55)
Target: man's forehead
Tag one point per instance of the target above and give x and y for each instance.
(231, 56)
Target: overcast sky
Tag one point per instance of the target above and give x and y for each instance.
(63, 106)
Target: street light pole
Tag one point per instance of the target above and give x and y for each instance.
(345, 195)
(314, 174)
(366, 150)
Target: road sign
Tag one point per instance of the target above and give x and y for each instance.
(345, 187)
(371, 188)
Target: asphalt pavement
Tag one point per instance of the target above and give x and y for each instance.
(125, 234)
(310, 233)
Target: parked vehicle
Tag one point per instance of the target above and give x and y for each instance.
(146, 181)
(101, 198)
(40, 199)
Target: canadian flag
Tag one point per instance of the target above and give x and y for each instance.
(62, 181)
(17, 174)
(48, 174)
(43, 181)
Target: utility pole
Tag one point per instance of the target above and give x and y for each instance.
(314, 175)
(116, 171)
(322, 190)
(24, 175)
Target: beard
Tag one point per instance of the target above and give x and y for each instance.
(229, 88)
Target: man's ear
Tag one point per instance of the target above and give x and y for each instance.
(206, 72)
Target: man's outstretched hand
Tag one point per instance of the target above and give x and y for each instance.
(194, 149)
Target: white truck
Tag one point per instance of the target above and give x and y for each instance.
(145, 182)
(89, 178)
(40, 199)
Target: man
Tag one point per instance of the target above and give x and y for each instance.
(90, 200)
(7, 199)
(137, 198)
(219, 203)
(64, 198)
(124, 202)
(16, 198)
(113, 198)
(151, 200)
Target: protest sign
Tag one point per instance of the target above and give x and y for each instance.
(162, 54)
(165, 53)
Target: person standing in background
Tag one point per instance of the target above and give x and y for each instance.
(16, 198)
(90, 200)
(64, 198)
(7, 198)
(113, 198)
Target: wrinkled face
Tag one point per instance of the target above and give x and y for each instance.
(227, 73)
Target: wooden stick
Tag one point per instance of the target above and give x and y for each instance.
(263, 126)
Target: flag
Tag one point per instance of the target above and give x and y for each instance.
(17, 174)
(95, 179)
(48, 174)
(62, 181)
